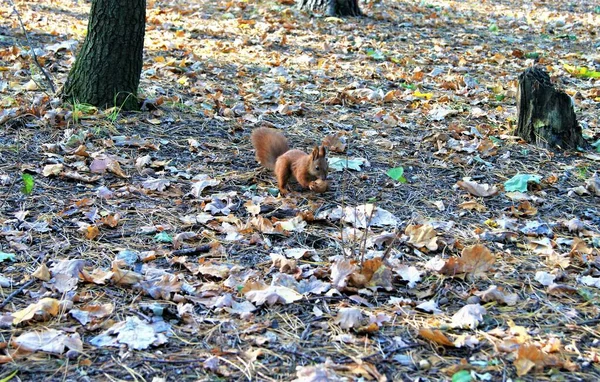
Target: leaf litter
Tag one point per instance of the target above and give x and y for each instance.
(156, 233)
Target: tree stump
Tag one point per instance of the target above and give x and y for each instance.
(546, 115)
(332, 7)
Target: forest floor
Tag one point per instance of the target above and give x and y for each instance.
(151, 246)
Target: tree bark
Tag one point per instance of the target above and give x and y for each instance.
(332, 7)
(108, 67)
(546, 115)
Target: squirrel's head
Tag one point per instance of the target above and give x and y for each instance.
(318, 166)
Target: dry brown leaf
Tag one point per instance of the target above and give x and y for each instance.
(469, 316)
(273, 294)
(493, 293)
(98, 276)
(374, 273)
(318, 373)
(475, 260)
(52, 169)
(558, 289)
(92, 232)
(335, 142)
(529, 357)
(42, 273)
(477, 189)
(284, 264)
(92, 312)
(368, 371)
(349, 318)
(44, 307)
(49, 340)
(472, 205)
(579, 247)
(436, 336)
(111, 220)
(524, 209)
(123, 276)
(422, 236)
(340, 271)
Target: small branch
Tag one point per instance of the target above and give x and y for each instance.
(35, 59)
(15, 293)
(173, 361)
(8, 192)
(192, 250)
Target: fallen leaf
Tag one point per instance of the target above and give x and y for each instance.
(340, 271)
(469, 316)
(44, 307)
(422, 236)
(272, 295)
(50, 341)
(133, 332)
(349, 318)
(493, 293)
(477, 189)
(475, 260)
(436, 336)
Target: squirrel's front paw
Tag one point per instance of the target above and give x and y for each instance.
(319, 185)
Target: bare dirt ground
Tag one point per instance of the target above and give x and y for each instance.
(153, 246)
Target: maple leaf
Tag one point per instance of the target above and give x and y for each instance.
(103, 163)
(374, 273)
(123, 276)
(98, 276)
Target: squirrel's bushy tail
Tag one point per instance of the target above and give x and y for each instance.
(269, 144)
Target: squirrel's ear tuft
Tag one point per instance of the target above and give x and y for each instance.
(315, 152)
(322, 151)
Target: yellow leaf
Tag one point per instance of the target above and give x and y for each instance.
(45, 306)
(422, 95)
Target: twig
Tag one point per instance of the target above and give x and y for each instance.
(35, 59)
(39, 260)
(364, 238)
(190, 251)
(181, 361)
(13, 294)
(389, 248)
(8, 192)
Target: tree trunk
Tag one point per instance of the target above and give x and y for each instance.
(546, 115)
(108, 67)
(331, 7)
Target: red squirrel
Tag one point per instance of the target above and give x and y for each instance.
(273, 152)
